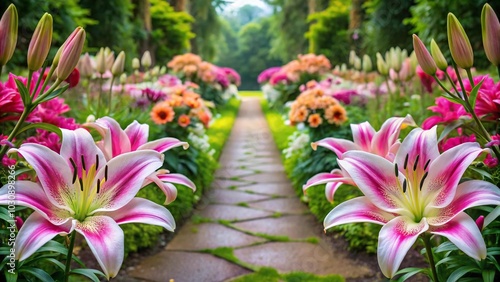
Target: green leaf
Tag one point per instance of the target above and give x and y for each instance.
(53, 246)
(473, 94)
(44, 126)
(482, 172)
(38, 273)
(453, 99)
(449, 128)
(488, 275)
(457, 274)
(9, 277)
(52, 95)
(89, 273)
(55, 262)
(408, 272)
(446, 246)
(25, 94)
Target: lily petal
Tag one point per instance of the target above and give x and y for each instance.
(321, 178)
(105, 239)
(80, 146)
(137, 134)
(394, 240)
(337, 145)
(143, 211)
(52, 172)
(359, 209)
(115, 140)
(30, 194)
(491, 216)
(164, 144)
(126, 174)
(330, 189)
(419, 146)
(37, 231)
(168, 189)
(464, 233)
(445, 173)
(374, 176)
(469, 194)
(362, 134)
(177, 179)
(389, 134)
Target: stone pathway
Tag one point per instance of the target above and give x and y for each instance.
(250, 215)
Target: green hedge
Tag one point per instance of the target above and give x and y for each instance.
(139, 236)
(300, 167)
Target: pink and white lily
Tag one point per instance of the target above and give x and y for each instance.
(384, 143)
(417, 192)
(116, 141)
(79, 190)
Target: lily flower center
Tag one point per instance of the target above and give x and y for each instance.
(411, 187)
(85, 187)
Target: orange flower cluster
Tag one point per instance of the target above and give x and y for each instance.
(186, 103)
(187, 63)
(314, 107)
(308, 63)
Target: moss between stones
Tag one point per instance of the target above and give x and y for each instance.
(268, 274)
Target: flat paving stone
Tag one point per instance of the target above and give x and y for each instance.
(298, 256)
(232, 213)
(282, 205)
(267, 177)
(224, 196)
(226, 183)
(195, 237)
(228, 172)
(293, 226)
(186, 267)
(277, 189)
(267, 167)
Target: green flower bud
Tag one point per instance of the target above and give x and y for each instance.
(438, 56)
(8, 34)
(460, 48)
(490, 27)
(40, 43)
(119, 64)
(424, 57)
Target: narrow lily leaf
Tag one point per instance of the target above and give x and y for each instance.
(453, 99)
(55, 262)
(484, 173)
(89, 273)
(53, 246)
(52, 95)
(9, 277)
(473, 94)
(446, 246)
(38, 273)
(408, 272)
(449, 128)
(44, 126)
(457, 274)
(25, 94)
(488, 275)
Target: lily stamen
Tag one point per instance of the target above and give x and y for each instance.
(83, 163)
(427, 164)
(75, 173)
(406, 162)
(415, 163)
(396, 171)
(422, 181)
(96, 162)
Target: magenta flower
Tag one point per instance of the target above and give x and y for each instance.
(420, 191)
(488, 97)
(447, 112)
(266, 75)
(117, 141)
(79, 190)
(384, 143)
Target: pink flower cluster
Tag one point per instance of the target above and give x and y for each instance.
(266, 75)
(50, 112)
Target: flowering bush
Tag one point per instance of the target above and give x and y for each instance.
(214, 81)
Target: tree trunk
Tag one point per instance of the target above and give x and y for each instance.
(355, 21)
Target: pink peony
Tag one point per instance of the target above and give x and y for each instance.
(447, 112)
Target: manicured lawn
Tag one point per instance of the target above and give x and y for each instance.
(250, 94)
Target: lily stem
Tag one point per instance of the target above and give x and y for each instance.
(110, 100)
(69, 256)
(428, 248)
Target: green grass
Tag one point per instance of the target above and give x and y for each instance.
(279, 129)
(220, 129)
(251, 94)
(228, 254)
(268, 274)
